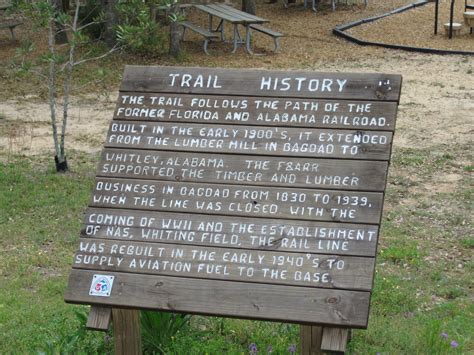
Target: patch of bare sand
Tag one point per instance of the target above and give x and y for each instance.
(443, 183)
(437, 100)
(26, 128)
(437, 107)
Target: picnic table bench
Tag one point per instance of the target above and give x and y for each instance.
(274, 34)
(235, 17)
(11, 26)
(208, 35)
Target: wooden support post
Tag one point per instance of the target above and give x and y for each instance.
(99, 318)
(310, 339)
(335, 339)
(127, 338)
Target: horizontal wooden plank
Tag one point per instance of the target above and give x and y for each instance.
(303, 84)
(259, 266)
(260, 111)
(273, 202)
(222, 298)
(367, 145)
(243, 170)
(236, 13)
(235, 232)
(229, 17)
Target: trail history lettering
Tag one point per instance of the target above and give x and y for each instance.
(245, 193)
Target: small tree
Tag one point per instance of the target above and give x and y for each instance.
(175, 35)
(56, 60)
(138, 30)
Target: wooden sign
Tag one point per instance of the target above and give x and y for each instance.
(243, 193)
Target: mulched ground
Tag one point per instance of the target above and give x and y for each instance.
(415, 28)
(308, 41)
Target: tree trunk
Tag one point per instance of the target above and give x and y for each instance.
(60, 35)
(175, 33)
(111, 21)
(66, 5)
(59, 159)
(249, 6)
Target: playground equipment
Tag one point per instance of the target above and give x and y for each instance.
(451, 15)
(469, 15)
(454, 27)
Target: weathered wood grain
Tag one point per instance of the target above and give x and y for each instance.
(260, 111)
(243, 170)
(280, 268)
(236, 232)
(335, 339)
(301, 84)
(273, 202)
(99, 318)
(367, 145)
(223, 298)
(127, 335)
(310, 339)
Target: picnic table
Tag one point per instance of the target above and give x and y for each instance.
(11, 26)
(225, 13)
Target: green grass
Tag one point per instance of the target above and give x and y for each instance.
(423, 284)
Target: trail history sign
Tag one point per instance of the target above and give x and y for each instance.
(244, 193)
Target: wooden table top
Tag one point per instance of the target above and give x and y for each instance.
(230, 14)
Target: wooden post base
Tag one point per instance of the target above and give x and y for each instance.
(127, 339)
(310, 339)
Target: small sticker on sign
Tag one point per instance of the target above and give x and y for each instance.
(101, 285)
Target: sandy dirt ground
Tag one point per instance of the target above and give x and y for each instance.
(437, 107)
(420, 21)
(437, 101)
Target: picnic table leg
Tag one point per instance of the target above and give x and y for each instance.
(236, 35)
(12, 32)
(221, 29)
(276, 40)
(210, 23)
(206, 42)
(248, 39)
